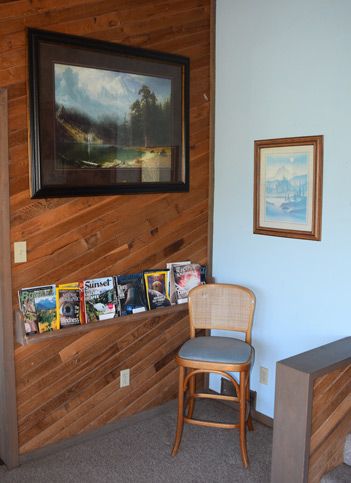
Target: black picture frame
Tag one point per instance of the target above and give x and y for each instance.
(105, 118)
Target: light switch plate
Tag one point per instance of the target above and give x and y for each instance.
(20, 252)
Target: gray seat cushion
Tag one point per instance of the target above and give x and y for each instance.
(216, 349)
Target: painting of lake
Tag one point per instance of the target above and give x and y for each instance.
(286, 187)
(108, 120)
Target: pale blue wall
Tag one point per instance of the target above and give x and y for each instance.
(284, 70)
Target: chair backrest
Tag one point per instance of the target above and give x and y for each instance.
(221, 306)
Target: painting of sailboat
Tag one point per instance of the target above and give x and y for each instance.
(288, 187)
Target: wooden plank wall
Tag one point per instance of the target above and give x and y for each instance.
(69, 385)
(331, 422)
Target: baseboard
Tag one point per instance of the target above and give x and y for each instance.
(95, 433)
(262, 418)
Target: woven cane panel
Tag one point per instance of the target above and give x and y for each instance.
(221, 307)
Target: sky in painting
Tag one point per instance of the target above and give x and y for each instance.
(97, 92)
(293, 164)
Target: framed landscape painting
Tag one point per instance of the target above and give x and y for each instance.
(288, 187)
(105, 118)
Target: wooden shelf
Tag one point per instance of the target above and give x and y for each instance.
(24, 339)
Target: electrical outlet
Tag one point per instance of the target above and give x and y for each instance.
(20, 252)
(264, 373)
(124, 378)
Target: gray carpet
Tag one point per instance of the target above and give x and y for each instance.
(340, 474)
(141, 453)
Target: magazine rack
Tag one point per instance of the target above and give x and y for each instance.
(24, 339)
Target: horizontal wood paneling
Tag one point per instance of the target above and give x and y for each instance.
(69, 385)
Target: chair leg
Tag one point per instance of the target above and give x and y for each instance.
(191, 400)
(180, 411)
(242, 419)
(249, 420)
(249, 423)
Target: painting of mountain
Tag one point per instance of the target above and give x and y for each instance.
(286, 187)
(109, 119)
(99, 94)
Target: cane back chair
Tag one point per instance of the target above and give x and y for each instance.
(225, 307)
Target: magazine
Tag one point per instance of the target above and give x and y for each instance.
(156, 286)
(99, 299)
(26, 297)
(82, 301)
(131, 293)
(47, 313)
(203, 274)
(172, 294)
(68, 305)
(186, 277)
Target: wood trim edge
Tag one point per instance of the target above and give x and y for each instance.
(262, 418)
(24, 339)
(212, 140)
(8, 407)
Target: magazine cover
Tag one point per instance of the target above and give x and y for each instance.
(131, 293)
(99, 299)
(172, 294)
(68, 305)
(186, 277)
(26, 298)
(156, 285)
(47, 313)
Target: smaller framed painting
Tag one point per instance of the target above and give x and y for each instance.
(288, 187)
(105, 118)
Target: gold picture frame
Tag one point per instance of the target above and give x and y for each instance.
(288, 187)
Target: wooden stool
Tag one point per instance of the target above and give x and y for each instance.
(223, 307)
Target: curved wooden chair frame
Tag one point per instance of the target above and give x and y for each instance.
(226, 307)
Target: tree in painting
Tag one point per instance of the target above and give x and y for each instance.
(287, 187)
(110, 119)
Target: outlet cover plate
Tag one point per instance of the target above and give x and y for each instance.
(125, 377)
(264, 374)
